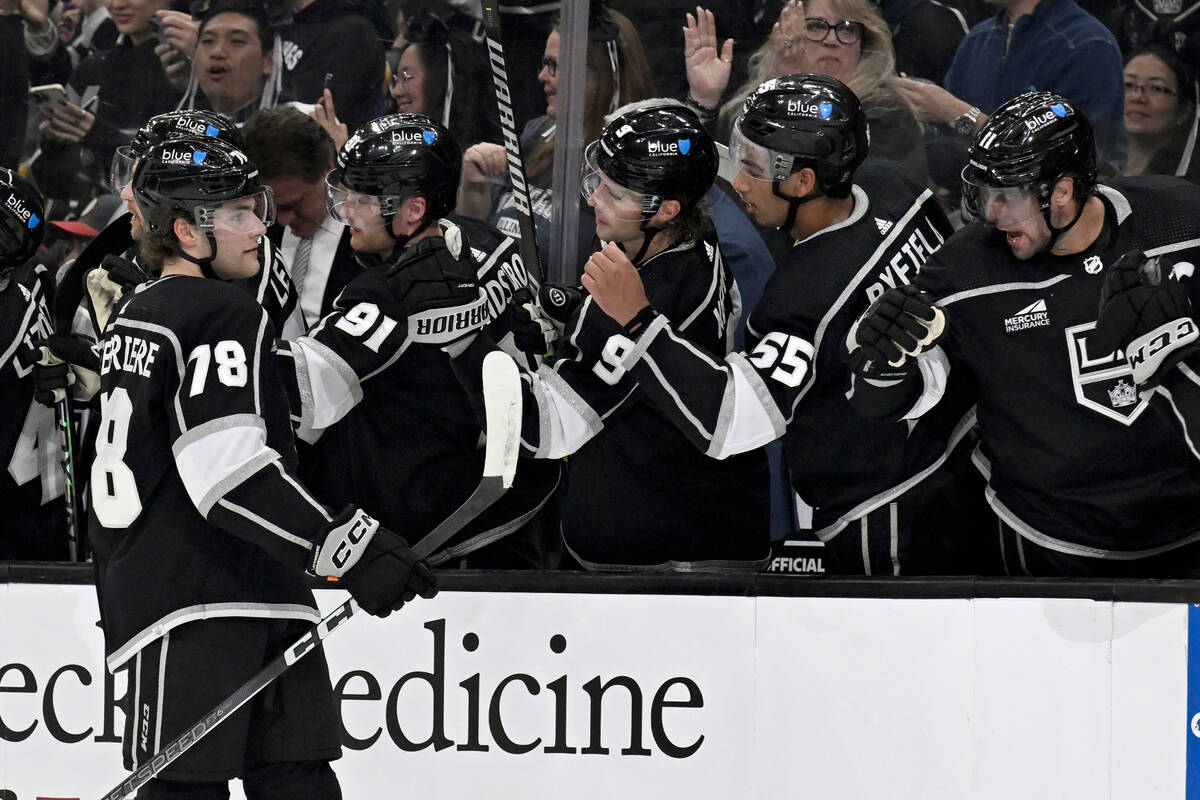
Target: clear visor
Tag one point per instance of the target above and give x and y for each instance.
(246, 216)
(612, 198)
(120, 173)
(999, 206)
(756, 161)
(356, 209)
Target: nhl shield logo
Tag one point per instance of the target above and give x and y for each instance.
(1092, 265)
(1103, 381)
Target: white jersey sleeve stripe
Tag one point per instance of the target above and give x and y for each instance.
(329, 389)
(749, 417)
(935, 372)
(265, 524)
(217, 456)
(565, 419)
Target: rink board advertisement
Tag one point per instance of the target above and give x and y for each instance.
(514, 695)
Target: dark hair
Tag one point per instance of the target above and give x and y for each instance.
(1180, 68)
(285, 142)
(157, 245)
(471, 118)
(253, 10)
(636, 84)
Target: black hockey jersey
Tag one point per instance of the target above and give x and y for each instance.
(196, 512)
(32, 486)
(791, 383)
(394, 429)
(638, 492)
(1076, 459)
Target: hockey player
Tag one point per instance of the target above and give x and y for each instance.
(1086, 478)
(798, 144)
(395, 431)
(31, 489)
(201, 532)
(638, 495)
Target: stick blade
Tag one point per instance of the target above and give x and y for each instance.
(502, 408)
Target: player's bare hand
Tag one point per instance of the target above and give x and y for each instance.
(614, 283)
(483, 161)
(707, 68)
(788, 40)
(326, 115)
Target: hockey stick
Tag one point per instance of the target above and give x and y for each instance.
(512, 144)
(502, 409)
(63, 419)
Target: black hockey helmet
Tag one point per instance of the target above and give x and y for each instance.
(393, 158)
(22, 221)
(198, 177)
(1030, 142)
(660, 150)
(802, 121)
(168, 127)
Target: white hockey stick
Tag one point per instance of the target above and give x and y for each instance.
(502, 408)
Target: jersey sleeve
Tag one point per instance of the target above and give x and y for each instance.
(324, 371)
(220, 438)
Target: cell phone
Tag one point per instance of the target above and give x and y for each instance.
(49, 94)
(156, 24)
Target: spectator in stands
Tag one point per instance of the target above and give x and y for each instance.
(925, 35)
(611, 36)
(293, 154)
(128, 85)
(1173, 24)
(845, 39)
(234, 60)
(86, 28)
(25, 31)
(1050, 45)
(441, 73)
(1160, 115)
(330, 44)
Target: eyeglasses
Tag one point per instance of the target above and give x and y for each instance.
(847, 32)
(550, 65)
(402, 78)
(1155, 89)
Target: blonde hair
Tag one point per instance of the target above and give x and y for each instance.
(876, 63)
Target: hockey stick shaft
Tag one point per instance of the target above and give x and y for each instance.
(512, 144)
(502, 407)
(63, 415)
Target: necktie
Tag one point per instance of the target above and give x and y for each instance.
(300, 263)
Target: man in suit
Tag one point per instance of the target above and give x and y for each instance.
(293, 154)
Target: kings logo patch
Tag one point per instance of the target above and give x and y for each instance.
(1103, 381)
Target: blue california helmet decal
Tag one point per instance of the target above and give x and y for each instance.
(685, 145)
(1059, 110)
(826, 109)
(429, 136)
(198, 156)
(212, 131)
(34, 221)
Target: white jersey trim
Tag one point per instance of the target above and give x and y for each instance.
(216, 457)
(565, 420)
(329, 389)
(749, 416)
(159, 628)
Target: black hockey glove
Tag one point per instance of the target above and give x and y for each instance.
(373, 564)
(107, 284)
(1145, 310)
(559, 301)
(66, 361)
(902, 322)
(533, 332)
(439, 292)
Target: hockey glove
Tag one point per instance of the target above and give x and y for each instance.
(439, 292)
(902, 322)
(107, 284)
(374, 565)
(559, 302)
(533, 332)
(66, 361)
(1145, 309)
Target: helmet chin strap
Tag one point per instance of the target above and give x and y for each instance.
(205, 264)
(1057, 232)
(794, 204)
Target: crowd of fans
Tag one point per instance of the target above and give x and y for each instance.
(301, 76)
